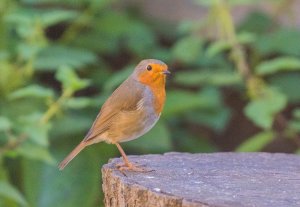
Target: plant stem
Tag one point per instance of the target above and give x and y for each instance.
(226, 24)
(54, 107)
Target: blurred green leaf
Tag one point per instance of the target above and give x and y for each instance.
(263, 109)
(222, 45)
(117, 78)
(256, 142)
(70, 80)
(114, 24)
(29, 51)
(210, 77)
(5, 123)
(140, 39)
(46, 17)
(185, 141)
(187, 26)
(188, 49)
(38, 133)
(216, 118)
(35, 152)
(10, 79)
(180, 101)
(78, 103)
(294, 123)
(99, 75)
(10, 192)
(97, 4)
(283, 41)
(215, 115)
(256, 22)
(217, 47)
(107, 44)
(296, 113)
(278, 64)
(156, 140)
(147, 42)
(54, 16)
(36, 91)
(162, 54)
(46, 186)
(287, 83)
(246, 37)
(72, 124)
(22, 16)
(53, 57)
(109, 29)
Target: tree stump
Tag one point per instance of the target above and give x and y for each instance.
(205, 180)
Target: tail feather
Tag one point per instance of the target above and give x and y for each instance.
(70, 157)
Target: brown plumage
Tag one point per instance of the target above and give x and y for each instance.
(131, 111)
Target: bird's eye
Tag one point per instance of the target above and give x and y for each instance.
(149, 67)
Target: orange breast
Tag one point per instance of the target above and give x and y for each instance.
(156, 82)
(159, 99)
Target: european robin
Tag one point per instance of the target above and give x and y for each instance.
(130, 112)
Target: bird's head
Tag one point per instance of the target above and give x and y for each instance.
(151, 72)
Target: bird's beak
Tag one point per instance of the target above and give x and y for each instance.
(166, 72)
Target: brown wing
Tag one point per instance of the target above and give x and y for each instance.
(124, 98)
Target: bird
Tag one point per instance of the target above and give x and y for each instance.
(130, 112)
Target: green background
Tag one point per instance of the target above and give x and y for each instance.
(234, 87)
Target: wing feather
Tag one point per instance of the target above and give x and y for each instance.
(127, 97)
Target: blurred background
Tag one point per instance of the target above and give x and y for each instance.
(234, 86)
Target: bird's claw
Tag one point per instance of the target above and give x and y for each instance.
(131, 167)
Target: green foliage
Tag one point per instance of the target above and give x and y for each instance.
(263, 109)
(34, 152)
(222, 45)
(34, 91)
(59, 61)
(46, 17)
(294, 125)
(5, 123)
(38, 135)
(209, 77)
(256, 142)
(278, 64)
(287, 84)
(265, 57)
(257, 22)
(9, 192)
(187, 49)
(179, 101)
(51, 58)
(117, 78)
(284, 41)
(70, 80)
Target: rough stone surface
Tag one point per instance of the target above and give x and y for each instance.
(205, 180)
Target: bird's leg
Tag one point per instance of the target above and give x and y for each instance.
(125, 159)
(127, 165)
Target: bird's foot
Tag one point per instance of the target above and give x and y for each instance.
(131, 167)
